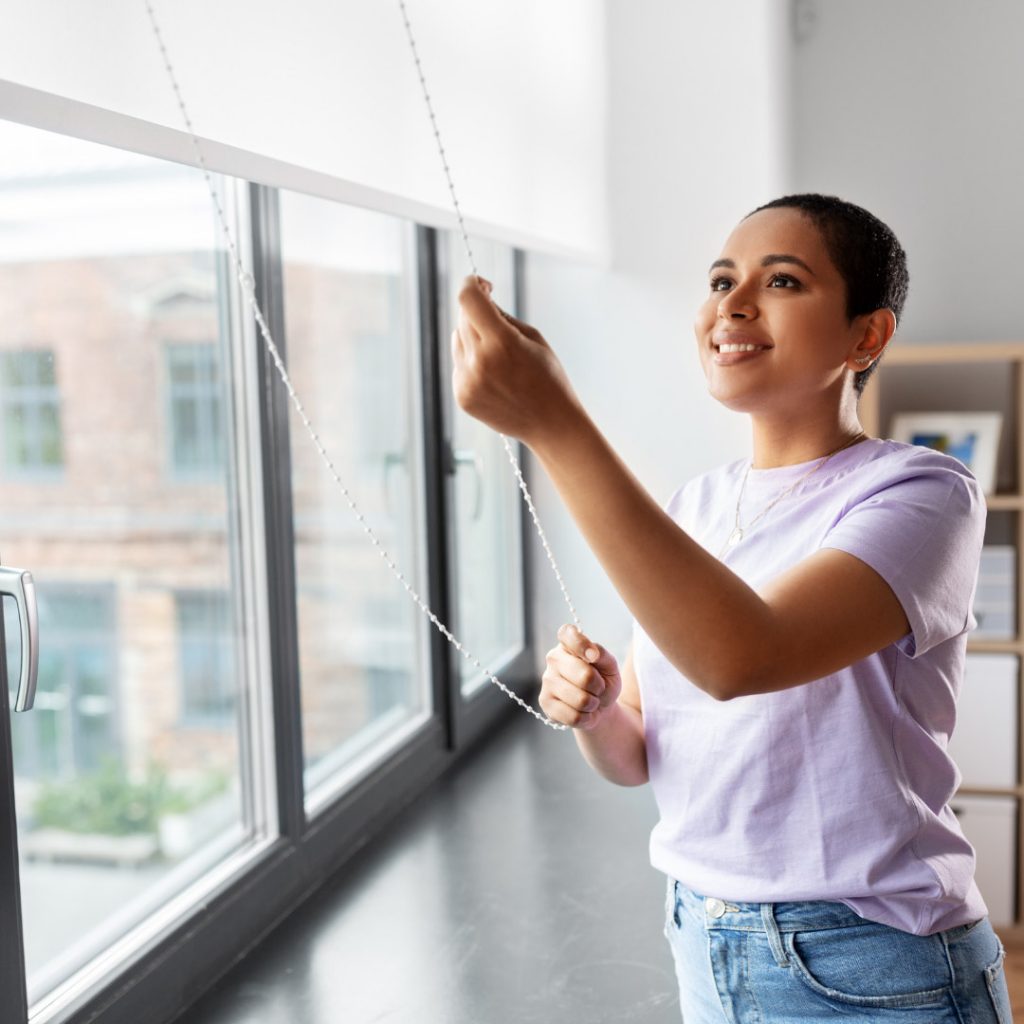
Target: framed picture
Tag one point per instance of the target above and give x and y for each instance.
(971, 437)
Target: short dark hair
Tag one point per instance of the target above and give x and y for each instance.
(865, 252)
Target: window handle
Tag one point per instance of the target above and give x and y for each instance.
(392, 460)
(468, 457)
(18, 583)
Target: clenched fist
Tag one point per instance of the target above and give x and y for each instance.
(505, 374)
(581, 681)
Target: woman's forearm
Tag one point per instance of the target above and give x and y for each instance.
(701, 615)
(615, 747)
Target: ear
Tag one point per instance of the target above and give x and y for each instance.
(875, 330)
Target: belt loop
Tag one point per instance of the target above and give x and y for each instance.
(774, 937)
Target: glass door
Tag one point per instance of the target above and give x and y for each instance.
(486, 526)
(17, 589)
(138, 777)
(349, 295)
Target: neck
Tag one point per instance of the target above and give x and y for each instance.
(789, 443)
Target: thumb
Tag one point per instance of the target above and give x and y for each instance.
(608, 668)
(479, 308)
(602, 659)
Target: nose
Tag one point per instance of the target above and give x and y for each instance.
(737, 304)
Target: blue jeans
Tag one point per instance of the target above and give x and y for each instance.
(818, 961)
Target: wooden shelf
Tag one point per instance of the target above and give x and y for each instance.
(1004, 502)
(907, 353)
(990, 791)
(995, 646)
(1011, 402)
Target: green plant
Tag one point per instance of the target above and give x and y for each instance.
(110, 803)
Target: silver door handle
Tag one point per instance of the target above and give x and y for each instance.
(18, 583)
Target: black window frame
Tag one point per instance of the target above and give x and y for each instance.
(161, 981)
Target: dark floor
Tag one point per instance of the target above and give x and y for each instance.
(518, 890)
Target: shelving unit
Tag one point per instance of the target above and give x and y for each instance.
(974, 377)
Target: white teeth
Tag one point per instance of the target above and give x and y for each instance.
(740, 348)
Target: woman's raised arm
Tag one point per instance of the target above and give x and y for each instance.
(709, 623)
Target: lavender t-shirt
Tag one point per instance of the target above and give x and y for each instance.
(837, 789)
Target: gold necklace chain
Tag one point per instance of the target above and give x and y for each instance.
(738, 531)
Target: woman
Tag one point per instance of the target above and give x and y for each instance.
(800, 623)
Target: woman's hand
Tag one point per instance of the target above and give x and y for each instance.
(581, 681)
(506, 374)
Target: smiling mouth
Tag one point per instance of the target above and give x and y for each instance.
(741, 347)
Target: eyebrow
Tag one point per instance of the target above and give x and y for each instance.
(767, 261)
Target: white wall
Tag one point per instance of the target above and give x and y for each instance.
(330, 85)
(910, 109)
(913, 110)
(698, 137)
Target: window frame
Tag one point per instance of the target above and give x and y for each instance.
(479, 711)
(306, 851)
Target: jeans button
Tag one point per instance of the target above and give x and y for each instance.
(714, 907)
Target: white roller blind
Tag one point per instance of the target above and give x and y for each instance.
(329, 87)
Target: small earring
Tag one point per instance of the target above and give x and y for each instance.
(866, 359)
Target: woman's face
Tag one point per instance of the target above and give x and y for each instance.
(774, 285)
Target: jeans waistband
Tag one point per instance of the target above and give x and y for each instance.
(810, 915)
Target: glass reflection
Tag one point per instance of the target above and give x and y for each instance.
(118, 493)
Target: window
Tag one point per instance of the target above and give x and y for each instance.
(76, 727)
(349, 293)
(488, 508)
(206, 658)
(196, 409)
(235, 691)
(122, 813)
(30, 407)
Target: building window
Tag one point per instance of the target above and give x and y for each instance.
(73, 726)
(206, 658)
(30, 412)
(196, 409)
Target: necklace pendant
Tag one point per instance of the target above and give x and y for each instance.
(734, 538)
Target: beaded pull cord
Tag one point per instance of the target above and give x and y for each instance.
(248, 286)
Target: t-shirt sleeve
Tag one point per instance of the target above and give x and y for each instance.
(922, 532)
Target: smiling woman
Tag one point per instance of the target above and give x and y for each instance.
(790, 700)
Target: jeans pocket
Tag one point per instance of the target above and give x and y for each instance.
(872, 965)
(670, 907)
(995, 981)
(961, 931)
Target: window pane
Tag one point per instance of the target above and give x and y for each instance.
(349, 306)
(30, 417)
(487, 537)
(130, 777)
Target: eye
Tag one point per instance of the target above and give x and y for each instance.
(789, 282)
(716, 281)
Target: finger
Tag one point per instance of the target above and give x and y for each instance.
(573, 696)
(578, 672)
(575, 642)
(458, 349)
(605, 662)
(559, 711)
(609, 697)
(479, 308)
(470, 335)
(523, 327)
